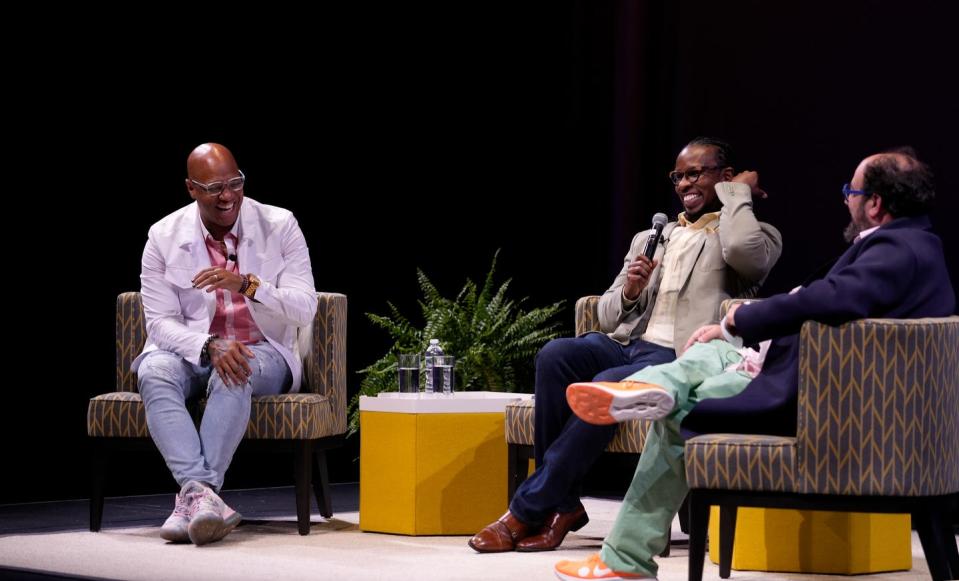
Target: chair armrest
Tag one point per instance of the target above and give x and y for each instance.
(587, 314)
(324, 367)
(878, 403)
(130, 337)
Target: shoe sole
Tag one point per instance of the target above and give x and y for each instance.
(230, 523)
(175, 536)
(602, 406)
(209, 529)
(566, 577)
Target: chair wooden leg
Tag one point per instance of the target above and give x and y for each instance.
(98, 465)
(949, 532)
(727, 537)
(518, 469)
(952, 551)
(698, 525)
(302, 467)
(321, 483)
(684, 516)
(669, 540)
(928, 522)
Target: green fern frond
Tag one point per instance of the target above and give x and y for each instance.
(492, 337)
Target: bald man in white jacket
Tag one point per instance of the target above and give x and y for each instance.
(225, 283)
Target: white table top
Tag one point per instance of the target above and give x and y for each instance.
(462, 402)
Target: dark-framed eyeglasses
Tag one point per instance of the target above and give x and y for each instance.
(216, 188)
(848, 191)
(692, 175)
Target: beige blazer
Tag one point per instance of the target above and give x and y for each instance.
(732, 262)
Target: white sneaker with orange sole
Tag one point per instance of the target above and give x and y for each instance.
(603, 403)
(591, 568)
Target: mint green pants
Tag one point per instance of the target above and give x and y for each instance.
(659, 485)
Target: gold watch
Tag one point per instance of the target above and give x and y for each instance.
(251, 288)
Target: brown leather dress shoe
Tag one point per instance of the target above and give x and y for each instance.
(551, 535)
(500, 536)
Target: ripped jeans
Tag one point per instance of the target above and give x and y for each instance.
(166, 381)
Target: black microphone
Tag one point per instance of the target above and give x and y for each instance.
(659, 222)
(231, 257)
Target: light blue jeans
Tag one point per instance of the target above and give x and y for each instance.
(166, 381)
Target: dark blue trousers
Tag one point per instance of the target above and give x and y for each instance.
(565, 446)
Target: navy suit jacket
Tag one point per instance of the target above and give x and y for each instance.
(898, 271)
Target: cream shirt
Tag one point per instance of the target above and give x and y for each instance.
(677, 259)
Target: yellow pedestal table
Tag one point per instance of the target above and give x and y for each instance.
(432, 465)
(812, 541)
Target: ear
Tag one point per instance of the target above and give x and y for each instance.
(728, 174)
(877, 210)
(189, 188)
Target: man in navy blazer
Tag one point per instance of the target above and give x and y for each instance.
(895, 268)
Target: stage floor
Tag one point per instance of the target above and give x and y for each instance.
(51, 541)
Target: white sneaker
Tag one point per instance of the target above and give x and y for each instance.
(603, 403)
(174, 529)
(210, 518)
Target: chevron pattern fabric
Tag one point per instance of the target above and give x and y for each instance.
(117, 415)
(879, 407)
(319, 410)
(878, 416)
(519, 422)
(741, 462)
(131, 336)
(630, 437)
(325, 371)
(292, 416)
(587, 315)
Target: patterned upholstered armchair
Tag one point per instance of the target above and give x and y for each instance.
(629, 439)
(877, 431)
(519, 415)
(306, 423)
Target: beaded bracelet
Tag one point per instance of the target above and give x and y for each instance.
(205, 350)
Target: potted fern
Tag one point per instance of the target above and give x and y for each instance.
(493, 338)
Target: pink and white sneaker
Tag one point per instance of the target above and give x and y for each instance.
(210, 518)
(174, 529)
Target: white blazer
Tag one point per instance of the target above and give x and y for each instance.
(271, 246)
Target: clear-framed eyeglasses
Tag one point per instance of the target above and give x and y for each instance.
(216, 188)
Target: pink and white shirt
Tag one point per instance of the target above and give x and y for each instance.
(232, 319)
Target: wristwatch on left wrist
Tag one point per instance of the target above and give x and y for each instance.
(250, 290)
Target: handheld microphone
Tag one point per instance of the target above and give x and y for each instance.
(659, 222)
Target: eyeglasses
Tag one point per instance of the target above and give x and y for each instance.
(691, 175)
(847, 191)
(216, 188)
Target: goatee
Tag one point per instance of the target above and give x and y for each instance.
(851, 232)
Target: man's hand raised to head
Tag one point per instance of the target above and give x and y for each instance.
(751, 179)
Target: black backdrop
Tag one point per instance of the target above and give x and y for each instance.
(408, 137)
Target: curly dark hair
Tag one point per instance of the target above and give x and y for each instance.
(905, 184)
(724, 152)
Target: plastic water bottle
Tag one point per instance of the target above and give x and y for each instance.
(432, 351)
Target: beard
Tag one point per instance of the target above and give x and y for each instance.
(851, 232)
(857, 223)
